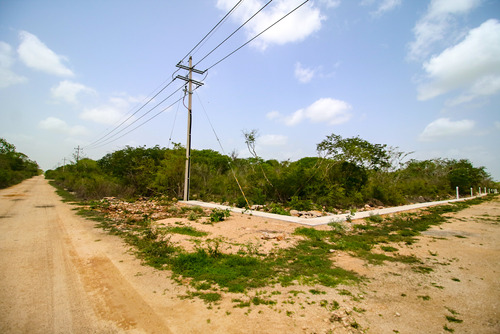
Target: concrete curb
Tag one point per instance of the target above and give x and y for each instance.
(325, 219)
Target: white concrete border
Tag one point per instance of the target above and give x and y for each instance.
(325, 219)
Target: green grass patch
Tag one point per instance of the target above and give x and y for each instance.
(186, 230)
(388, 249)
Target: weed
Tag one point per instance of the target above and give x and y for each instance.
(337, 227)
(218, 215)
(209, 297)
(240, 303)
(317, 292)
(455, 279)
(422, 269)
(295, 292)
(259, 301)
(426, 297)
(453, 319)
(359, 310)
(344, 292)
(448, 329)
(375, 218)
(388, 249)
(186, 230)
(452, 311)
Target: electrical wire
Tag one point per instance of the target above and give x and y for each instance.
(173, 124)
(272, 25)
(212, 30)
(223, 152)
(99, 143)
(129, 117)
(146, 121)
(234, 32)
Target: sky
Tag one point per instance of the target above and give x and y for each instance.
(422, 76)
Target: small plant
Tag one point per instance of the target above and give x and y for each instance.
(426, 297)
(453, 319)
(209, 297)
(317, 292)
(218, 215)
(388, 249)
(337, 227)
(452, 311)
(448, 329)
(375, 218)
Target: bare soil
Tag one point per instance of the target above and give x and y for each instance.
(61, 274)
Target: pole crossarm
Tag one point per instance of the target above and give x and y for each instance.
(198, 83)
(190, 69)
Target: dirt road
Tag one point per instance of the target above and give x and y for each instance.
(60, 274)
(55, 277)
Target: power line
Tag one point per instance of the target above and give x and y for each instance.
(146, 121)
(99, 142)
(212, 30)
(129, 117)
(263, 31)
(234, 32)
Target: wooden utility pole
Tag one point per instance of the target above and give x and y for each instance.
(190, 81)
(187, 173)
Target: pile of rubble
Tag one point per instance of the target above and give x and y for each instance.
(139, 210)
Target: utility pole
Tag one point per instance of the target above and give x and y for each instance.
(77, 153)
(190, 81)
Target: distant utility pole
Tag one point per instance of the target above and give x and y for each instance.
(78, 153)
(190, 81)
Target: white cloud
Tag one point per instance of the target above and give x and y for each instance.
(383, 6)
(7, 76)
(325, 110)
(497, 125)
(112, 112)
(272, 140)
(37, 55)
(472, 62)
(435, 25)
(68, 91)
(304, 74)
(54, 124)
(488, 85)
(296, 27)
(444, 127)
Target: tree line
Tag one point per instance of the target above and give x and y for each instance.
(347, 173)
(14, 166)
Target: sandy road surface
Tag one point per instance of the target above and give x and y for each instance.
(54, 278)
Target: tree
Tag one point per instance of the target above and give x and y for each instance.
(355, 150)
(14, 166)
(250, 138)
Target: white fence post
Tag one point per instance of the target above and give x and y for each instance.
(458, 196)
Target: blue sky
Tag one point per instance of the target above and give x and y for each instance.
(423, 76)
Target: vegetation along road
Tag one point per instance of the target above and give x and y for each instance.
(399, 274)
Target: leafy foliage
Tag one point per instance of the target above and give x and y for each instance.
(14, 166)
(350, 173)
